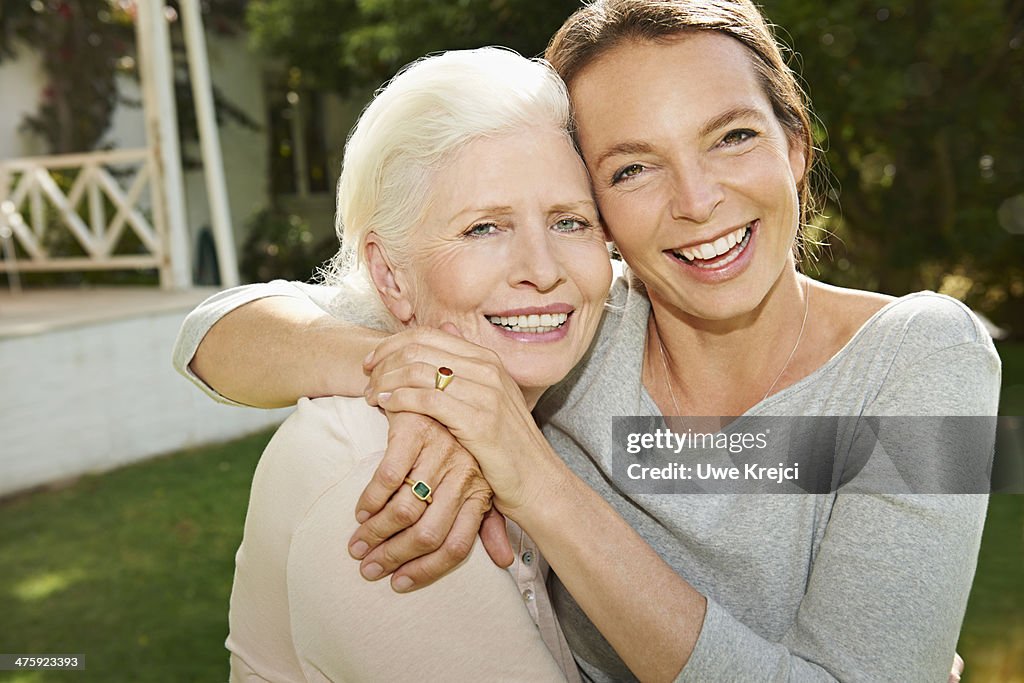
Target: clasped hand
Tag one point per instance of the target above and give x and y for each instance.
(474, 443)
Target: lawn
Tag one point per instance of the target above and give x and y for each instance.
(133, 568)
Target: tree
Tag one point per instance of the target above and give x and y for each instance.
(922, 100)
(923, 103)
(84, 45)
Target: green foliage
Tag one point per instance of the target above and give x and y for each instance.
(81, 43)
(922, 102)
(280, 245)
(341, 44)
(84, 45)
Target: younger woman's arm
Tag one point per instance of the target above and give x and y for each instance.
(269, 344)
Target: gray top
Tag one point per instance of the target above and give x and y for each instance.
(799, 587)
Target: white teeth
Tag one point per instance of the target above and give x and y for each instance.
(533, 324)
(710, 250)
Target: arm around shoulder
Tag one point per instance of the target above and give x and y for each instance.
(268, 345)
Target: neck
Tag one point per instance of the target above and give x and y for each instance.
(724, 367)
(532, 395)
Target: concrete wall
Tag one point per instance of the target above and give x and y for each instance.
(92, 397)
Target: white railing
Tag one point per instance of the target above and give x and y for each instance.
(96, 211)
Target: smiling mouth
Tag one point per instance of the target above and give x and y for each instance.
(719, 253)
(530, 324)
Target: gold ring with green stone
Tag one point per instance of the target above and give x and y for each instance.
(420, 489)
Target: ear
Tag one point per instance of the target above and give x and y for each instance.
(391, 284)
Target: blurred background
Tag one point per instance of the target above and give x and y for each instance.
(153, 151)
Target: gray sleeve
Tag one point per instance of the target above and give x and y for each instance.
(889, 586)
(206, 315)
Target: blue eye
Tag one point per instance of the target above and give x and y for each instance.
(735, 137)
(627, 172)
(481, 230)
(570, 224)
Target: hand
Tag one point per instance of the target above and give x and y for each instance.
(482, 407)
(958, 668)
(401, 532)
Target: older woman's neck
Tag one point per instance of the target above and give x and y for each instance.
(532, 395)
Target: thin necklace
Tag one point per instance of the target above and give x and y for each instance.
(799, 338)
(664, 364)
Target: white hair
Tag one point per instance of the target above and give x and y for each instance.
(415, 124)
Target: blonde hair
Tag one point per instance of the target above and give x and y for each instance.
(412, 128)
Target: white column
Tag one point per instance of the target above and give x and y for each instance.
(155, 71)
(209, 139)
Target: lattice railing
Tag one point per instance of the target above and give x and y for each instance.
(86, 202)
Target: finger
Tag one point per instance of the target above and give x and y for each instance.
(427, 569)
(388, 377)
(451, 329)
(494, 536)
(446, 408)
(470, 379)
(424, 346)
(406, 439)
(958, 668)
(412, 541)
(403, 511)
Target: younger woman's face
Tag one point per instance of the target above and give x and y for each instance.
(695, 177)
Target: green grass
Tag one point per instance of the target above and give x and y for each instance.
(133, 568)
(1011, 399)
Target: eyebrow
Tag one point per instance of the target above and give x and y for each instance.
(574, 206)
(632, 147)
(492, 210)
(588, 204)
(730, 115)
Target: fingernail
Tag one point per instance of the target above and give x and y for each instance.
(401, 584)
(359, 549)
(372, 571)
(383, 397)
(362, 516)
(368, 359)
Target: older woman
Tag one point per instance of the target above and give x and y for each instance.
(461, 201)
(698, 143)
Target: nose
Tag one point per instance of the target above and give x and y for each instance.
(696, 193)
(535, 260)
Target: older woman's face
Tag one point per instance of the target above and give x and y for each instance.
(512, 252)
(695, 176)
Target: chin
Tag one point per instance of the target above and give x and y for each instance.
(537, 379)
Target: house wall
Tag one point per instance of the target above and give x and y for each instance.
(234, 70)
(21, 85)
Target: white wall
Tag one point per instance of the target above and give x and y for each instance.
(93, 397)
(235, 71)
(21, 85)
(238, 74)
